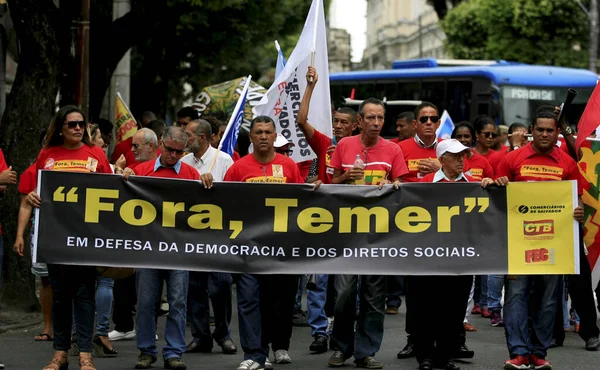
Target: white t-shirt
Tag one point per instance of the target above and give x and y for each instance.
(202, 165)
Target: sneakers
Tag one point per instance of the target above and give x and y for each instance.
(391, 310)
(539, 363)
(592, 344)
(469, 327)
(250, 365)
(496, 319)
(476, 310)
(319, 345)
(368, 362)
(145, 361)
(337, 359)
(282, 357)
(519, 362)
(485, 312)
(268, 364)
(119, 335)
(329, 329)
(175, 363)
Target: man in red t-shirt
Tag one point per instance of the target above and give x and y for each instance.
(540, 160)
(259, 319)
(144, 147)
(365, 159)
(344, 123)
(404, 126)
(150, 281)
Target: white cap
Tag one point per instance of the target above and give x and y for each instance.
(279, 142)
(449, 146)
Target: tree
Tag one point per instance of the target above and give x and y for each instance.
(175, 41)
(547, 32)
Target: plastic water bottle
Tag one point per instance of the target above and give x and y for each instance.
(358, 163)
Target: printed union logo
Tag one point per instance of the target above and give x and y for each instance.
(522, 209)
(538, 230)
(540, 256)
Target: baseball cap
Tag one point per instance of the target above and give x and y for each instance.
(449, 146)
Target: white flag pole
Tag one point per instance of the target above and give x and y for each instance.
(314, 43)
(231, 120)
(277, 46)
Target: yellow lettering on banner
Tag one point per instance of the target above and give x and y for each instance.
(170, 210)
(363, 219)
(413, 219)
(315, 220)
(209, 216)
(445, 215)
(93, 205)
(281, 205)
(127, 212)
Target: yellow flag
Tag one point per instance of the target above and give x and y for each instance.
(124, 122)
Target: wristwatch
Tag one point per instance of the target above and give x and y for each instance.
(567, 130)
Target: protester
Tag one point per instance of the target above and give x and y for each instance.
(217, 128)
(186, 115)
(67, 147)
(404, 126)
(124, 147)
(150, 281)
(485, 131)
(265, 302)
(544, 163)
(434, 341)
(366, 159)
(479, 166)
(217, 285)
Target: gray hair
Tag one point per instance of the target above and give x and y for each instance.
(176, 134)
(203, 127)
(149, 136)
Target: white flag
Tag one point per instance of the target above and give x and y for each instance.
(282, 101)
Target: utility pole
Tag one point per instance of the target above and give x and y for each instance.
(420, 23)
(83, 59)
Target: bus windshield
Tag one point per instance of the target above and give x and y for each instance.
(519, 103)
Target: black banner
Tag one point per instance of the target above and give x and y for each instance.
(101, 220)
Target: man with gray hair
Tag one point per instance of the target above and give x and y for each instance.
(144, 146)
(150, 281)
(217, 285)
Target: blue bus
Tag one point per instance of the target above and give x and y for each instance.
(508, 92)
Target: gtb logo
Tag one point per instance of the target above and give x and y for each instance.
(542, 229)
(540, 256)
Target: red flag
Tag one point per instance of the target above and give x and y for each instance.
(590, 119)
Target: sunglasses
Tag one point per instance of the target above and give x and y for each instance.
(171, 150)
(488, 134)
(73, 124)
(434, 119)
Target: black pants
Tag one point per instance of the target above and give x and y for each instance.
(217, 286)
(436, 338)
(409, 302)
(73, 294)
(277, 301)
(125, 299)
(582, 297)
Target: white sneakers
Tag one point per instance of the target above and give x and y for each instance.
(282, 357)
(119, 335)
(250, 365)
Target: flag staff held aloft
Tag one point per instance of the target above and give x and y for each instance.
(232, 130)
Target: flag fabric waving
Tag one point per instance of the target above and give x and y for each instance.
(232, 131)
(280, 60)
(446, 126)
(590, 119)
(282, 101)
(125, 124)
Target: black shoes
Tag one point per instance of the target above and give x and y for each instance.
(196, 347)
(463, 352)
(228, 347)
(319, 345)
(592, 344)
(407, 352)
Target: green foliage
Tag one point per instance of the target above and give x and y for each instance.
(547, 32)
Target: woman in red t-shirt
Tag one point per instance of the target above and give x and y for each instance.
(479, 166)
(68, 147)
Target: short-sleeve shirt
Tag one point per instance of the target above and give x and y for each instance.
(124, 147)
(480, 167)
(526, 164)
(413, 154)
(202, 165)
(179, 171)
(383, 161)
(84, 159)
(281, 170)
(319, 143)
(27, 181)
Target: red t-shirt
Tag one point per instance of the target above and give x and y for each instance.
(319, 143)
(124, 147)
(235, 156)
(186, 171)
(480, 167)
(493, 157)
(280, 170)
(383, 161)
(413, 154)
(85, 159)
(526, 164)
(28, 180)
(395, 140)
(429, 178)
(304, 168)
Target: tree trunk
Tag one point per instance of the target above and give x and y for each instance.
(30, 106)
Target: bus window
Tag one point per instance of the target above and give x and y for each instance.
(433, 92)
(458, 100)
(409, 90)
(338, 94)
(365, 91)
(387, 90)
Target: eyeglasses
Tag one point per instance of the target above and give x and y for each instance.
(489, 133)
(172, 150)
(73, 124)
(137, 146)
(434, 119)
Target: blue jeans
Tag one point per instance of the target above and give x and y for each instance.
(494, 294)
(300, 292)
(150, 282)
(544, 292)
(104, 300)
(480, 297)
(316, 307)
